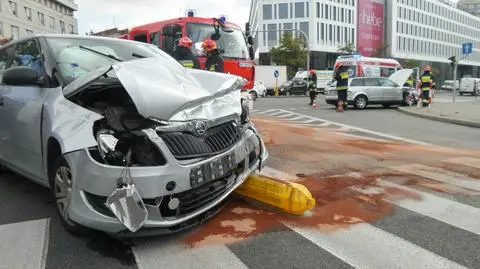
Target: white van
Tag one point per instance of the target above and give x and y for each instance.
(470, 86)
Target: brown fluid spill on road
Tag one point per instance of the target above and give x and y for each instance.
(325, 158)
(338, 207)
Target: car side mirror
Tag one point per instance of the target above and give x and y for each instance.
(251, 53)
(20, 76)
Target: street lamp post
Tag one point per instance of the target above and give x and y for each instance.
(297, 30)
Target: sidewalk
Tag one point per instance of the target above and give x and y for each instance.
(461, 113)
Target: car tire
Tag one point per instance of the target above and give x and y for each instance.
(287, 93)
(61, 182)
(360, 102)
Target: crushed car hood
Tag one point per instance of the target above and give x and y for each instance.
(163, 89)
(401, 76)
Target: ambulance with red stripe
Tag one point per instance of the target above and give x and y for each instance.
(360, 66)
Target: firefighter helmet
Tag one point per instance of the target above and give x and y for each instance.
(313, 72)
(209, 45)
(185, 42)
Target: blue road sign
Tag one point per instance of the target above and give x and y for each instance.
(467, 48)
(276, 73)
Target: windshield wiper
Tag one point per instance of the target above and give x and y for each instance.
(101, 53)
(138, 55)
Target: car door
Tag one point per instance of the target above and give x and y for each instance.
(6, 57)
(22, 109)
(391, 91)
(373, 89)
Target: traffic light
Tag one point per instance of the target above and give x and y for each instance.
(452, 60)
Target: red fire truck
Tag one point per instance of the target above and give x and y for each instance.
(236, 48)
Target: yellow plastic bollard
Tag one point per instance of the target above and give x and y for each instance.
(290, 197)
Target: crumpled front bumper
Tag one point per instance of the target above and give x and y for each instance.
(94, 182)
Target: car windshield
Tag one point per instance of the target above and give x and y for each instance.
(76, 57)
(232, 44)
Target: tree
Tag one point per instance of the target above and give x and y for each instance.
(292, 53)
(381, 51)
(411, 63)
(349, 48)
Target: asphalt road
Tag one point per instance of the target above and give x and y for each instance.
(385, 199)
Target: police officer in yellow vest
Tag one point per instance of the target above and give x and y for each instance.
(184, 54)
(427, 84)
(341, 76)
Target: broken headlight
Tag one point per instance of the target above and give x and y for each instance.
(245, 117)
(107, 144)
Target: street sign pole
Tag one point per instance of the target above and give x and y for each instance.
(276, 74)
(454, 80)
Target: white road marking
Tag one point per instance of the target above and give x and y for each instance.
(365, 246)
(157, 253)
(451, 212)
(24, 244)
(285, 116)
(442, 175)
(308, 121)
(393, 137)
(366, 138)
(465, 161)
(296, 118)
(267, 111)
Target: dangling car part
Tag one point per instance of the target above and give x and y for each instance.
(130, 142)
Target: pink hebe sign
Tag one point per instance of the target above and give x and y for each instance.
(370, 26)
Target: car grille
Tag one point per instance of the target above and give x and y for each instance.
(217, 139)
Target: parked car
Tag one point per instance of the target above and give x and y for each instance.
(298, 87)
(283, 89)
(363, 91)
(258, 90)
(128, 140)
(470, 86)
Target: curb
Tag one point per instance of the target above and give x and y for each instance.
(439, 118)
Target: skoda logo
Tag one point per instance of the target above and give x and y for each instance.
(200, 127)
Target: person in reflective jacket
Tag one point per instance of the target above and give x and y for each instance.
(427, 84)
(312, 85)
(184, 54)
(214, 59)
(341, 76)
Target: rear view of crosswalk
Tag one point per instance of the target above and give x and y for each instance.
(431, 230)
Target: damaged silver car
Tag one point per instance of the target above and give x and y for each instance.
(129, 141)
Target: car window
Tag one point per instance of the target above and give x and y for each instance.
(371, 82)
(76, 57)
(357, 82)
(28, 54)
(386, 82)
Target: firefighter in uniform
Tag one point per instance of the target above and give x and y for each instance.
(312, 85)
(214, 59)
(184, 54)
(341, 76)
(427, 84)
(409, 82)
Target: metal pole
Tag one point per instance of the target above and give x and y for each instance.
(297, 30)
(454, 80)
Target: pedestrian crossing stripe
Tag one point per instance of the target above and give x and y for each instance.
(386, 244)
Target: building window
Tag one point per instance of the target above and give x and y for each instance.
(322, 31)
(41, 18)
(326, 11)
(272, 34)
(330, 32)
(318, 10)
(70, 29)
(304, 28)
(62, 27)
(300, 10)
(29, 32)
(283, 11)
(13, 8)
(52, 22)
(287, 28)
(267, 12)
(15, 32)
(334, 13)
(28, 13)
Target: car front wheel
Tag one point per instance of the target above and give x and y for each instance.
(360, 102)
(62, 185)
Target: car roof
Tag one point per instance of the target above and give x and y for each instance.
(72, 36)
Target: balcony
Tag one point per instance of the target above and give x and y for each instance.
(69, 3)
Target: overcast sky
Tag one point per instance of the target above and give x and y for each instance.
(98, 15)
